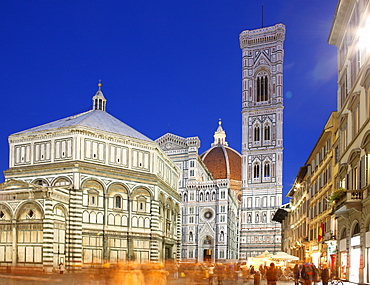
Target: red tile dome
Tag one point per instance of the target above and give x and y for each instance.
(223, 162)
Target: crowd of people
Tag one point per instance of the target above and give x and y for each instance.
(228, 273)
(208, 273)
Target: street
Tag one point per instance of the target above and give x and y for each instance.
(94, 279)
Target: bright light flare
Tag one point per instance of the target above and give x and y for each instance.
(364, 36)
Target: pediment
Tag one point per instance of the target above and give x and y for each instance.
(262, 59)
(206, 229)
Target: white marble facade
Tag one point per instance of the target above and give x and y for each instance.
(210, 216)
(262, 138)
(86, 190)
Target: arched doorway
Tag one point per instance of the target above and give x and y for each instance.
(208, 249)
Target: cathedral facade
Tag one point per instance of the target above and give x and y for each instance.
(87, 190)
(262, 138)
(209, 186)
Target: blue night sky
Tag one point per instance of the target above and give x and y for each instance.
(166, 66)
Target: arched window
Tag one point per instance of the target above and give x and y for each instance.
(256, 133)
(266, 169)
(222, 236)
(41, 182)
(262, 88)
(256, 171)
(267, 133)
(213, 196)
(257, 218)
(264, 218)
(118, 202)
(191, 236)
(356, 229)
(201, 197)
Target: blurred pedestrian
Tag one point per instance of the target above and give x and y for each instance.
(61, 268)
(325, 275)
(271, 274)
(307, 273)
(296, 274)
(257, 278)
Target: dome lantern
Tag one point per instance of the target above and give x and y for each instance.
(99, 101)
(219, 136)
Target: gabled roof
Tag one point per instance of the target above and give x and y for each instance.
(94, 119)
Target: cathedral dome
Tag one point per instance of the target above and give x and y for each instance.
(222, 161)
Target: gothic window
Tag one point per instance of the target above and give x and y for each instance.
(207, 196)
(257, 218)
(264, 218)
(356, 229)
(213, 196)
(191, 196)
(256, 171)
(256, 133)
(222, 236)
(267, 133)
(249, 219)
(266, 169)
(201, 197)
(191, 236)
(262, 88)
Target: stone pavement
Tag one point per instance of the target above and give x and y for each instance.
(98, 279)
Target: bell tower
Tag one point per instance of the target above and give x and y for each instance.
(262, 138)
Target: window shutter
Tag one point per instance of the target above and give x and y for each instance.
(362, 172)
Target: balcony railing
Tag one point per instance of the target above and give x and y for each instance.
(351, 200)
(354, 195)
